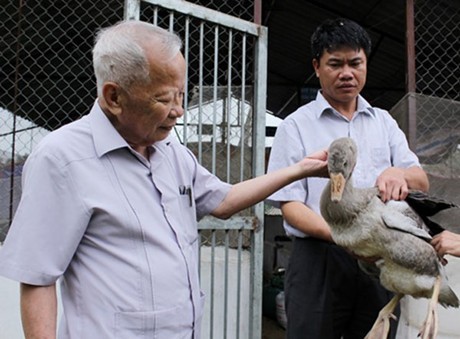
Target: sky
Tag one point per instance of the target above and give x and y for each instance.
(27, 134)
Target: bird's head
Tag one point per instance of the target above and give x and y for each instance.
(341, 162)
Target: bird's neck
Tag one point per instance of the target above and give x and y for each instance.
(353, 199)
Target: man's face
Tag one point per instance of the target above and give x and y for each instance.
(150, 111)
(342, 75)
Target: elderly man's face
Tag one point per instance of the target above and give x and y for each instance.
(150, 111)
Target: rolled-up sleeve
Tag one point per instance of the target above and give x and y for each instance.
(402, 155)
(282, 156)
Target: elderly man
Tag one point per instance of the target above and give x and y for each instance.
(110, 203)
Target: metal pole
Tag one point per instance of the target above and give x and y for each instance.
(260, 110)
(411, 74)
(132, 9)
(258, 12)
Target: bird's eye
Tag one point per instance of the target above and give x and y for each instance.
(345, 164)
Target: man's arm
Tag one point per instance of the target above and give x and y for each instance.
(394, 183)
(39, 311)
(447, 243)
(306, 220)
(252, 191)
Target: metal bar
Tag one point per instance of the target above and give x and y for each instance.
(132, 9)
(213, 265)
(410, 46)
(257, 12)
(260, 90)
(207, 14)
(155, 16)
(238, 283)
(171, 21)
(234, 223)
(200, 98)
(229, 102)
(226, 276)
(255, 327)
(243, 105)
(186, 56)
(411, 71)
(214, 106)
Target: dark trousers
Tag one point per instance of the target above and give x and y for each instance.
(328, 296)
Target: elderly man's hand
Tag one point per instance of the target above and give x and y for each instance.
(315, 164)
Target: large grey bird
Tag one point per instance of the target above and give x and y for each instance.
(394, 234)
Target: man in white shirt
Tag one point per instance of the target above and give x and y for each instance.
(327, 295)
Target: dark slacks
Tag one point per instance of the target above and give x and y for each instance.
(328, 296)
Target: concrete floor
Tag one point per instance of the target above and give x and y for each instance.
(271, 329)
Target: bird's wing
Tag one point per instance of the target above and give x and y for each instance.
(427, 205)
(398, 215)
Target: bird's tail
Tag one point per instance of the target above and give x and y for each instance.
(447, 297)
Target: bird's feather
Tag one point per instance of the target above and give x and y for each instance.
(399, 216)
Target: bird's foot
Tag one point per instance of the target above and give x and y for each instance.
(381, 326)
(430, 325)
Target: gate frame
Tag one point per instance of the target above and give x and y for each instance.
(255, 223)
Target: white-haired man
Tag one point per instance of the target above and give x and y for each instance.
(110, 203)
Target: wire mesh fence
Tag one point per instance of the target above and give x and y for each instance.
(243, 9)
(437, 98)
(46, 81)
(45, 78)
(218, 121)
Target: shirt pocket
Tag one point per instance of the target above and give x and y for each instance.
(176, 322)
(187, 213)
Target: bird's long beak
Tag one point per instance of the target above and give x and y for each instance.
(337, 186)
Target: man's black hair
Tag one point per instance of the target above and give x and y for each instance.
(333, 34)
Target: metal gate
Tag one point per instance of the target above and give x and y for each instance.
(224, 125)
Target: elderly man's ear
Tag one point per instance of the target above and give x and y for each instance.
(112, 96)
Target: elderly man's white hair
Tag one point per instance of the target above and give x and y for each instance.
(119, 56)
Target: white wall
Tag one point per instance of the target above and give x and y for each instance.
(414, 311)
(219, 293)
(10, 319)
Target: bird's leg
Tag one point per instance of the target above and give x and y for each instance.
(430, 326)
(382, 324)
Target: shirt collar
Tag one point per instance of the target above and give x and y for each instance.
(323, 106)
(105, 136)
